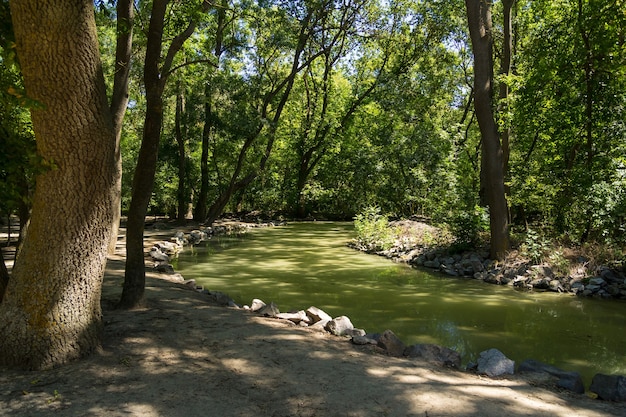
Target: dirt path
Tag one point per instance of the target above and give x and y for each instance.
(182, 356)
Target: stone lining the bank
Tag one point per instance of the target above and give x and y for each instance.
(492, 362)
(603, 282)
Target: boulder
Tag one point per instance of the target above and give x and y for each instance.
(257, 305)
(391, 343)
(439, 355)
(363, 340)
(354, 332)
(157, 255)
(339, 326)
(597, 281)
(317, 314)
(296, 317)
(320, 325)
(220, 298)
(609, 387)
(568, 380)
(163, 267)
(270, 310)
(492, 362)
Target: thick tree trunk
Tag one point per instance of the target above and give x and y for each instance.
(479, 20)
(51, 311)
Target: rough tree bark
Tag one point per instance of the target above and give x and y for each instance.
(492, 174)
(51, 311)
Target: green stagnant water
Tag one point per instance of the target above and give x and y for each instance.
(309, 264)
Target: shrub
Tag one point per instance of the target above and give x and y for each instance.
(372, 230)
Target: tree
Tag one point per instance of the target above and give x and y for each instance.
(51, 311)
(492, 174)
(119, 99)
(157, 70)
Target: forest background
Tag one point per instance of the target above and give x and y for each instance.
(325, 109)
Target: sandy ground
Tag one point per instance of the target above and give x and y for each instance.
(182, 356)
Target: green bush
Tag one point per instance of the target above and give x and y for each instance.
(468, 226)
(373, 231)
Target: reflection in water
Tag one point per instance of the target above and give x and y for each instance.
(309, 264)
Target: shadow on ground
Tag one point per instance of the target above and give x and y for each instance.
(182, 356)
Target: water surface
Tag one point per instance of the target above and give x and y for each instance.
(307, 264)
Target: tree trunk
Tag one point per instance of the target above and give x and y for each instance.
(51, 311)
(119, 100)
(505, 68)
(155, 77)
(143, 179)
(201, 211)
(492, 175)
(4, 276)
(181, 195)
(200, 214)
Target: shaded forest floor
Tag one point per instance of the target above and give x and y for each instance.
(180, 355)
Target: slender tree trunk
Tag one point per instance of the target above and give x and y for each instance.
(119, 100)
(143, 179)
(181, 194)
(479, 21)
(50, 312)
(4, 276)
(156, 72)
(200, 213)
(505, 69)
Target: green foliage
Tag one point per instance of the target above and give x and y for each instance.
(534, 246)
(468, 227)
(373, 231)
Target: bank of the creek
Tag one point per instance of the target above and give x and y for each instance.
(309, 264)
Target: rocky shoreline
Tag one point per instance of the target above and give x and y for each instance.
(582, 277)
(491, 363)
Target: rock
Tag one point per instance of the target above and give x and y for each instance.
(320, 325)
(169, 248)
(597, 281)
(390, 342)
(354, 332)
(220, 298)
(609, 387)
(555, 285)
(157, 255)
(316, 314)
(270, 310)
(177, 277)
(363, 340)
(339, 325)
(432, 264)
(296, 318)
(569, 380)
(257, 305)
(191, 283)
(440, 355)
(163, 267)
(197, 236)
(492, 362)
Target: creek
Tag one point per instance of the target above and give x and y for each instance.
(309, 264)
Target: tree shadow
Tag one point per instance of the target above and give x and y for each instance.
(179, 355)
